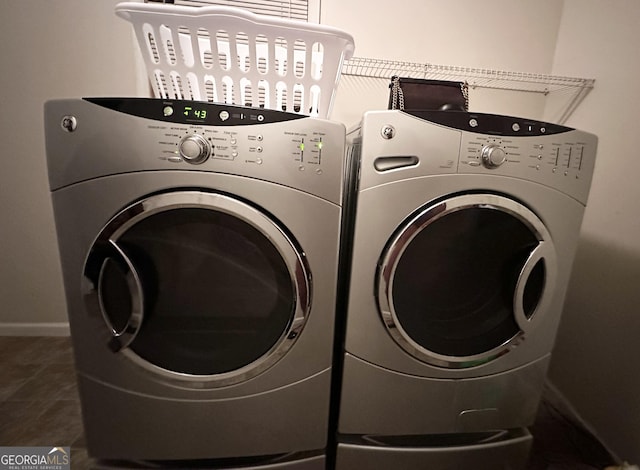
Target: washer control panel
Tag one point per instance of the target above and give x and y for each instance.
(411, 144)
(493, 155)
(563, 160)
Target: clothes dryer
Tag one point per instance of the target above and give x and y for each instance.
(464, 231)
(199, 251)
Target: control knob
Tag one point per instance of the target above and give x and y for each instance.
(493, 156)
(194, 149)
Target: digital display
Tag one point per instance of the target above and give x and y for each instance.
(191, 112)
(195, 113)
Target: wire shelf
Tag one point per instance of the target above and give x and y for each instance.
(578, 88)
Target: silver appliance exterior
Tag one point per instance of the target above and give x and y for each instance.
(113, 160)
(393, 386)
(509, 452)
(302, 463)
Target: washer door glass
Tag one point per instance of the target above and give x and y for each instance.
(465, 278)
(198, 286)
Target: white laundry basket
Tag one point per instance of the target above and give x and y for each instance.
(233, 56)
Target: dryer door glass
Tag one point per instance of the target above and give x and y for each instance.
(225, 290)
(451, 277)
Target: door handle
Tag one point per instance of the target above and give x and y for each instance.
(108, 269)
(544, 253)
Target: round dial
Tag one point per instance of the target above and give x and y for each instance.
(493, 156)
(194, 149)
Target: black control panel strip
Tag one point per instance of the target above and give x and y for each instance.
(492, 124)
(194, 112)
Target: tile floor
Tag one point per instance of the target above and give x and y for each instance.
(39, 406)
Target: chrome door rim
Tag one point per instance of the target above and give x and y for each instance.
(293, 257)
(410, 229)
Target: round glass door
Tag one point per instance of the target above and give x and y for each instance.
(198, 286)
(465, 278)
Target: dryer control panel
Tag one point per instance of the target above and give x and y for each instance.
(105, 136)
(410, 144)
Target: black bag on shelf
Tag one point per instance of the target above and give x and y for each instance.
(418, 93)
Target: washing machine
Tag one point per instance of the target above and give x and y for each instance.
(464, 231)
(199, 247)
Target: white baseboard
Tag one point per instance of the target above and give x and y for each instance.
(34, 329)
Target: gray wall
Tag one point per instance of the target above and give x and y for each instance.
(508, 35)
(48, 49)
(595, 361)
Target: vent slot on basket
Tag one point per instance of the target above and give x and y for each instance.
(166, 37)
(228, 90)
(280, 59)
(161, 84)
(317, 58)
(176, 82)
(299, 57)
(192, 87)
(186, 46)
(242, 52)
(152, 45)
(224, 50)
(204, 48)
(262, 54)
(212, 54)
(210, 89)
(298, 99)
(246, 92)
(263, 94)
